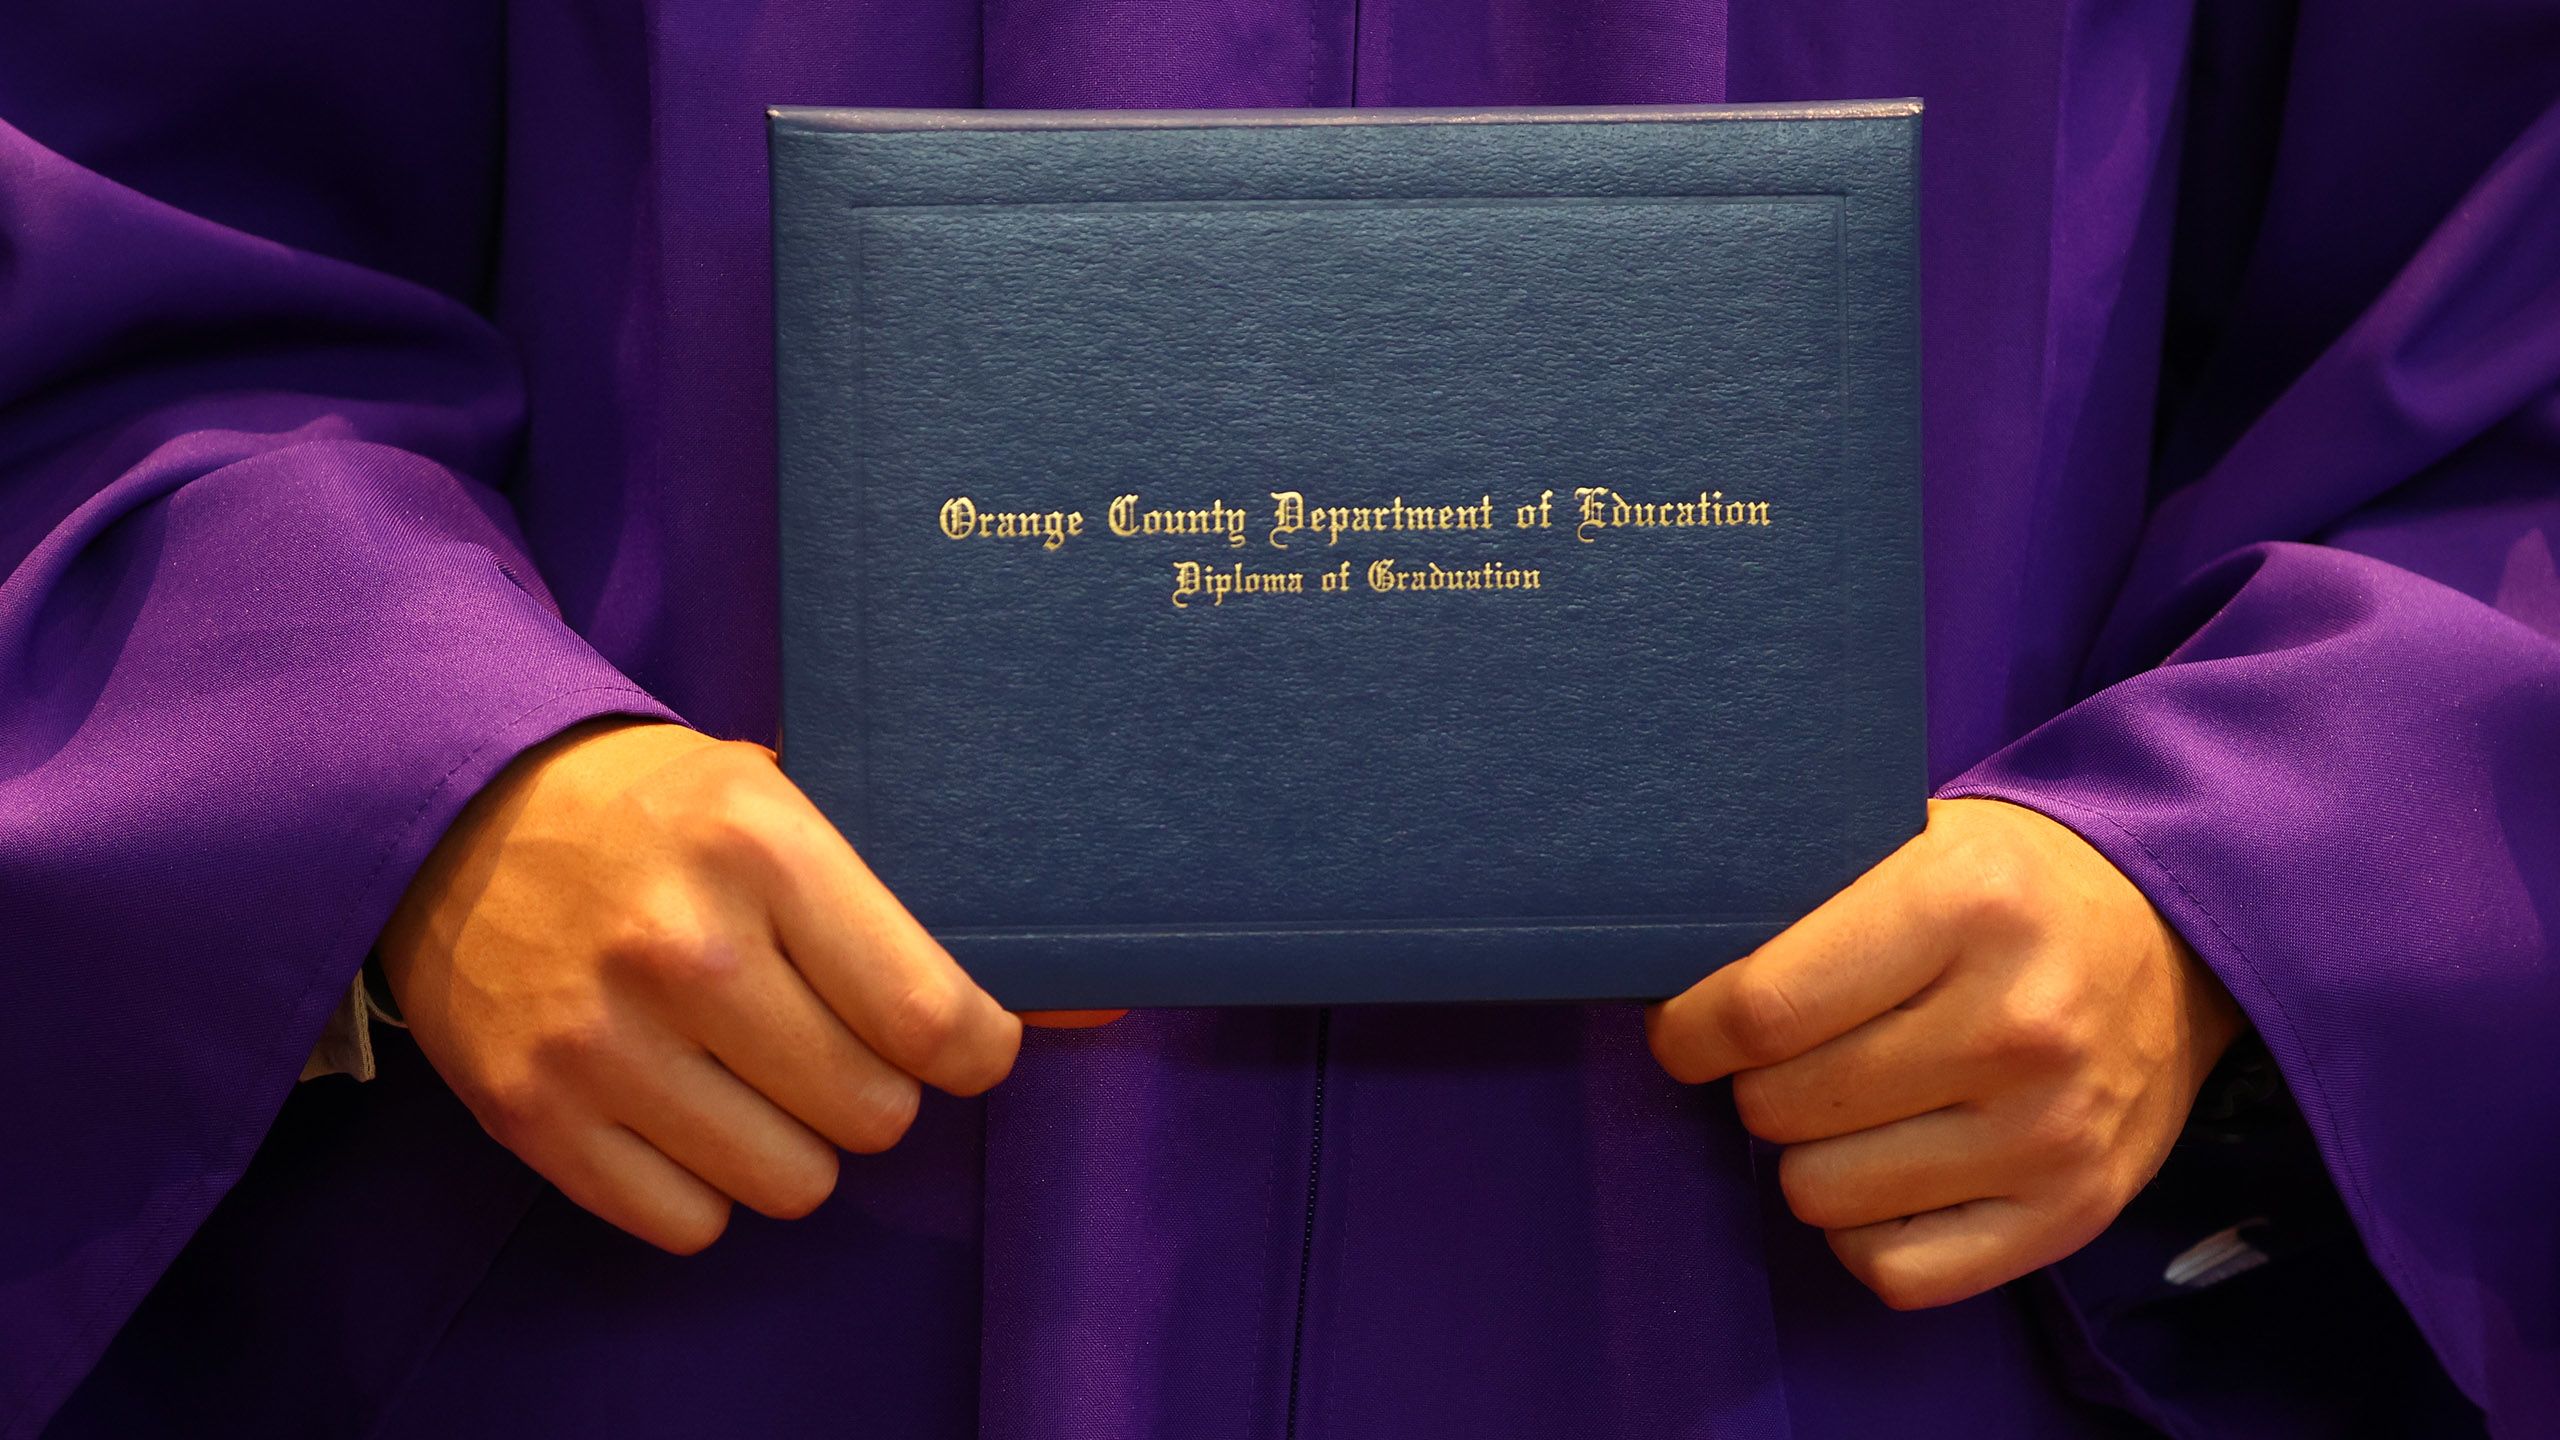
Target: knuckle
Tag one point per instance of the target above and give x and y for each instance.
(576, 1045)
(643, 947)
(799, 1186)
(1762, 1018)
(729, 833)
(881, 1114)
(1766, 1107)
(987, 1063)
(1810, 1191)
(1900, 1274)
(692, 1233)
(924, 1020)
(1902, 1281)
(2086, 1210)
(1993, 892)
(1670, 1041)
(673, 955)
(510, 1110)
(738, 827)
(2067, 1128)
(2037, 1028)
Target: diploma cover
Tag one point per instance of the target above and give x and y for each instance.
(1290, 557)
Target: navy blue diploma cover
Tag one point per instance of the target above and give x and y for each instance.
(1315, 556)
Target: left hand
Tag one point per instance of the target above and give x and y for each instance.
(1975, 1055)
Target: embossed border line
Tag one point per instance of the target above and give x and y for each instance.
(1836, 202)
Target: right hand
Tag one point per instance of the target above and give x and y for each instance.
(655, 972)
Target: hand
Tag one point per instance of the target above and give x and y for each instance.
(658, 975)
(1975, 1055)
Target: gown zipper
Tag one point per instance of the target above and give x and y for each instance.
(1324, 1039)
(1307, 1236)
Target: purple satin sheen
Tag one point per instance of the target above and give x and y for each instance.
(264, 631)
(2384, 700)
(384, 388)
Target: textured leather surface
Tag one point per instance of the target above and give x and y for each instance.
(1680, 741)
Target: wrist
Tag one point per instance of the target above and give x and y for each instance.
(2214, 1021)
(597, 756)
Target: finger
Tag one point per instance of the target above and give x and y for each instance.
(772, 1031)
(623, 1180)
(735, 1140)
(1929, 1162)
(1070, 1019)
(1864, 951)
(889, 981)
(1947, 1255)
(1903, 1063)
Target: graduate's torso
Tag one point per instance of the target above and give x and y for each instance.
(1364, 1222)
(1367, 1222)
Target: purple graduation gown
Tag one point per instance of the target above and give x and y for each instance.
(385, 386)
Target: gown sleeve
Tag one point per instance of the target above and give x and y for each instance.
(2322, 734)
(266, 622)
